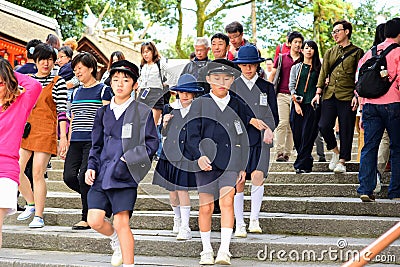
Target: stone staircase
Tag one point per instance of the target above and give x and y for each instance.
(302, 215)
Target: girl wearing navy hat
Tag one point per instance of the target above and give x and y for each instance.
(174, 170)
(259, 95)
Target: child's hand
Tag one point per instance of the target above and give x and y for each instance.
(268, 136)
(242, 177)
(204, 163)
(90, 175)
(258, 124)
(166, 119)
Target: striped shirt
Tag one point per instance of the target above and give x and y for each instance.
(59, 92)
(85, 102)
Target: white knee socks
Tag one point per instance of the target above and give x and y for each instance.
(257, 193)
(238, 208)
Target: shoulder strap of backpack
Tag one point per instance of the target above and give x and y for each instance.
(388, 49)
(341, 59)
(102, 91)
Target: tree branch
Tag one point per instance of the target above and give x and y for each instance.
(225, 5)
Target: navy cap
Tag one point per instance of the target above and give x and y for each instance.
(222, 69)
(248, 54)
(125, 66)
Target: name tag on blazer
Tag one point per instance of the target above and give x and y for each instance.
(126, 131)
(238, 127)
(263, 100)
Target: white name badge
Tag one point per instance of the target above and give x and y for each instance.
(126, 131)
(263, 100)
(238, 127)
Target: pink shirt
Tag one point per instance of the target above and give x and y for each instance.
(393, 66)
(12, 123)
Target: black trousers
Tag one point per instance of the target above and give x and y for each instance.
(305, 130)
(74, 171)
(332, 108)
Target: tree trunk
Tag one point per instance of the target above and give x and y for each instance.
(253, 22)
(178, 47)
(201, 20)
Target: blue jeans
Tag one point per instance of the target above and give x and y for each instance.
(377, 118)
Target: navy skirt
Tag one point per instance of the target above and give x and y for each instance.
(174, 176)
(258, 160)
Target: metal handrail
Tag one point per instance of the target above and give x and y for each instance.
(370, 252)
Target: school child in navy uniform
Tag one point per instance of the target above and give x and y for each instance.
(124, 139)
(218, 141)
(174, 170)
(260, 97)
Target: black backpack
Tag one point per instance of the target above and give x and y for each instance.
(373, 79)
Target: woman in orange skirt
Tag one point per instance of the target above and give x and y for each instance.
(41, 141)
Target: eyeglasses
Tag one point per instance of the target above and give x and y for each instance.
(61, 57)
(145, 43)
(235, 36)
(336, 31)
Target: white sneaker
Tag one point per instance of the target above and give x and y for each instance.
(241, 231)
(254, 227)
(27, 213)
(340, 168)
(207, 258)
(184, 233)
(177, 225)
(223, 258)
(378, 187)
(116, 258)
(37, 222)
(334, 161)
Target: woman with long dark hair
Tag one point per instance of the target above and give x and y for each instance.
(15, 107)
(304, 117)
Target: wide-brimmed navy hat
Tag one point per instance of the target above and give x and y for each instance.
(187, 83)
(248, 54)
(125, 66)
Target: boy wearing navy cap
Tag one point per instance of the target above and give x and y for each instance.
(259, 95)
(218, 141)
(124, 138)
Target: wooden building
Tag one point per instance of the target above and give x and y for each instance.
(20, 25)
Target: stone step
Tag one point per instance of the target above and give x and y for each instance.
(58, 164)
(354, 149)
(284, 190)
(29, 257)
(306, 205)
(161, 243)
(271, 223)
(270, 189)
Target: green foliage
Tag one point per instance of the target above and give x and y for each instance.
(70, 13)
(187, 47)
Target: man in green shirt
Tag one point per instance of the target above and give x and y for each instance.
(336, 88)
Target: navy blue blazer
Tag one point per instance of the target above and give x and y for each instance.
(177, 135)
(267, 113)
(213, 133)
(108, 146)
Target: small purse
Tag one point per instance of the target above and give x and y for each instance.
(27, 130)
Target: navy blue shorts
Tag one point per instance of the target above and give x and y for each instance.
(212, 181)
(112, 201)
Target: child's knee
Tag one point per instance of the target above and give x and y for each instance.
(95, 222)
(206, 209)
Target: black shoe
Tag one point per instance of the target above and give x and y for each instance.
(82, 225)
(217, 209)
(322, 159)
(19, 208)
